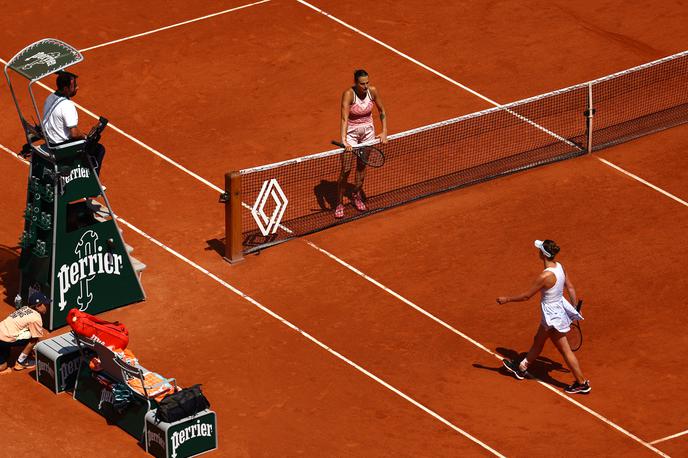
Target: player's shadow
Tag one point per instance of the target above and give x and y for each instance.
(9, 272)
(542, 368)
(326, 194)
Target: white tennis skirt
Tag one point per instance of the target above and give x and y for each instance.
(559, 315)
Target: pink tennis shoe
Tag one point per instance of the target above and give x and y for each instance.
(358, 203)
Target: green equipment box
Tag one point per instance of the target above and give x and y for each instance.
(57, 362)
(187, 437)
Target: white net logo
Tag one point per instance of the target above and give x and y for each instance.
(269, 225)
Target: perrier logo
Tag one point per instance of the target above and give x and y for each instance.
(188, 433)
(77, 172)
(91, 262)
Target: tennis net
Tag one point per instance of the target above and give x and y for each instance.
(277, 202)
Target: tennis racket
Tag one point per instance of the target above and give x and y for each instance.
(575, 335)
(370, 155)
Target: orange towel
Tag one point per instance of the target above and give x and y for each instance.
(156, 385)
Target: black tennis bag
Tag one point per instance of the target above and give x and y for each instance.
(182, 404)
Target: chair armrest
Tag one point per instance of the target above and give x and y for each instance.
(81, 340)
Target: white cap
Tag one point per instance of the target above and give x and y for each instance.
(539, 245)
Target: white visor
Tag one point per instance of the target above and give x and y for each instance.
(539, 245)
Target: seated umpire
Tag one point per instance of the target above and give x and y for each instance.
(22, 328)
(60, 118)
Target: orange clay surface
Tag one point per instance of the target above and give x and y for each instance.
(263, 84)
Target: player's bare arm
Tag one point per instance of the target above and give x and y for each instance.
(76, 134)
(383, 114)
(539, 283)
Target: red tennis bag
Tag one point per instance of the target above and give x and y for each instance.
(108, 333)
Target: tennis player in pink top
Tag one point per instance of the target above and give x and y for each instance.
(356, 128)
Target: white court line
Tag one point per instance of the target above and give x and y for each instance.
(399, 53)
(403, 299)
(482, 347)
(343, 263)
(353, 364)
(456, 83)
(140, 143)
(646, 183)
(441, 75)
(673, 436)
(314, 340)
(287, 323)
(152, 150)
(13, 154)
(173, 26)
(477, 344)
(133, 139)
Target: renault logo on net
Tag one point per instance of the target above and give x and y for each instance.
(269, 225)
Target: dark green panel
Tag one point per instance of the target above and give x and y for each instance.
(92, 271)
(69, 252)
(43, 58)
(36, 240)
(98, 397)
(192, 436)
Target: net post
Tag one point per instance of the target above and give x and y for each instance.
(232, 201)
(589, 113)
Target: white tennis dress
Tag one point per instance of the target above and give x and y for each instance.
(557, 312)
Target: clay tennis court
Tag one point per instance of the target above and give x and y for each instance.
(378, 337)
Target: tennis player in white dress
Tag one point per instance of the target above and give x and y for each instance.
(556, 318)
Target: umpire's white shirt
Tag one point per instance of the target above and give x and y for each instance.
(59, 115)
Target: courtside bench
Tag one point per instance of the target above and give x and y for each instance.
(95, 389)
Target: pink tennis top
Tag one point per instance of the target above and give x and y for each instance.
(361, 111)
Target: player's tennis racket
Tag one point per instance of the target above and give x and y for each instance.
(370, 155)
(575, 335)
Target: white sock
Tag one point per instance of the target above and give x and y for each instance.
(524, 364)
(22, 358)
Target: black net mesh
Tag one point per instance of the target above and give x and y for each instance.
(640, 101)
(298, 197)
(418, 163)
